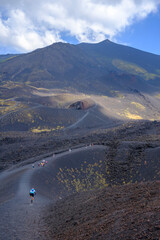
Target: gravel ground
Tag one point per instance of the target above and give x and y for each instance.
(19, 218)
(123, 212)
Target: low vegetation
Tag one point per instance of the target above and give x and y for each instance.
(129, 115)
(87, 177)
(133, 69)
(40, 130)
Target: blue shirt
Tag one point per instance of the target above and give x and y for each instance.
(32, 191)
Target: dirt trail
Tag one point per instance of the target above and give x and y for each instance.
(19, 218)
(82, 118)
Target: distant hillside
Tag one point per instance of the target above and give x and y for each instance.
(6, 57)
(85, 67)
(107, 83)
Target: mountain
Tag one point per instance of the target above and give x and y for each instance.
(93, 112)
(64, 87)
(85, 67)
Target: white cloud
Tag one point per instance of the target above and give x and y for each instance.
(27, 24)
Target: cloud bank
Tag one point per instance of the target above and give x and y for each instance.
(26, 24)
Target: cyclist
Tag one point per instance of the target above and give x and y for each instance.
(32, 193)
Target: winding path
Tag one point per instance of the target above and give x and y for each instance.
(19, 218)
(78, 121)
(82, 118)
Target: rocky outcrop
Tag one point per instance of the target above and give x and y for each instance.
(82, 105)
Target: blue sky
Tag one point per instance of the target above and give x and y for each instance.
(144, 35)
(27, 25)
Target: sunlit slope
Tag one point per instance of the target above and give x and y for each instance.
(38, 110)
(129, 106)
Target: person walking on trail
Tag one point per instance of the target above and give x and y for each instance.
(32, 194)
(43, 163)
